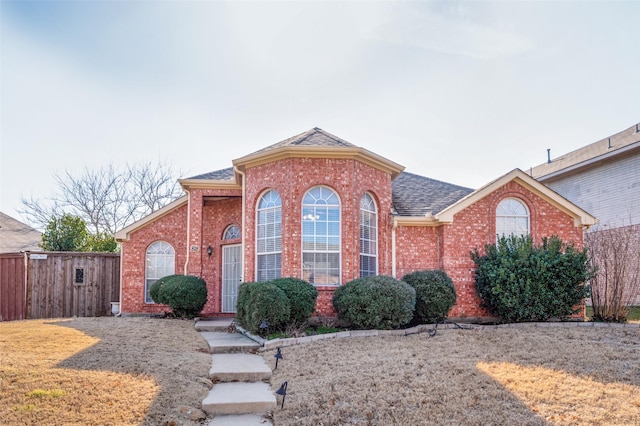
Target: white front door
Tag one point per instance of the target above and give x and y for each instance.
(231, 276)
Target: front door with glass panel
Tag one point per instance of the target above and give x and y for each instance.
(231, 276)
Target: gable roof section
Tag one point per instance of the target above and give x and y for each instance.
(123, 234)
(317, 143)
(222, 175)
(415, 195)
(615, 145)
(580, 217)
(16, 236)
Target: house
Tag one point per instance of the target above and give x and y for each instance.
(602, 178)
(15, 236)
(317, 207)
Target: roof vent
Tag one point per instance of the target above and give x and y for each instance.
(637, 128)
(548, 155)
(609, 142)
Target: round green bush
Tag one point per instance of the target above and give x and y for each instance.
(267, 303)
(185, 294)
(243, 306)
(302, 298)
(435, 295)
(378, 302)
(154, 290)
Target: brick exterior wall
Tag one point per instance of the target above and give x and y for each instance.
(417, 247)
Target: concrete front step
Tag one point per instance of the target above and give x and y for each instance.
(214, 324)
(239, 398)
(222, 342)
(239, 420)
(239, 368)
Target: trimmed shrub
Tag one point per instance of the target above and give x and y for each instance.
(302, 299)
(154, 290)
(185, 294)
(379, 302)
(519, 281)
(266, 302)
(435, 295)
(243, 306)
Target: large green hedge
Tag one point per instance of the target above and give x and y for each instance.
(520, 281)
(302, 299)
(435, 295)
(378, 302)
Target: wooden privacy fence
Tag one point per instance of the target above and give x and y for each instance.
(12, 286)
(62, 285)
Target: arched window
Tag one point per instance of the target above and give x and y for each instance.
(231, 233)
(512, 217)
(368, 237)
(160, 262)
(321, 242)
(269, 237)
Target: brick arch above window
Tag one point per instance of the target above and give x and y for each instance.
(160, 261)
(231, 232)
(512, 217)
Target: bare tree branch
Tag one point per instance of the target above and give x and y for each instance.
(107, 199)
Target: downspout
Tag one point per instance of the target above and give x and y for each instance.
(121, 278)
(393, 247)
(244, 220)
(186, 262)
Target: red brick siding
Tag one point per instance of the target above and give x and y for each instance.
(417, 249)
(170, 228)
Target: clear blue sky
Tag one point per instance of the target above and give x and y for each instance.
(457, 91)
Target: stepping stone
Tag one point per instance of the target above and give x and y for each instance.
(214, 324)
(239, 420)
(239, 398)
(222, 342)
(239, 368)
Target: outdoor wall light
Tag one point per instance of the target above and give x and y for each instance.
(282, 391)
(278, 356)
(209, 251)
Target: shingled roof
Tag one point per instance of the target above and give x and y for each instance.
(313, 137)
(15, 236)
(415, 195)
(610, 146)
(224, 174)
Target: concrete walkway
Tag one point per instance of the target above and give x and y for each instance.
(241, 395)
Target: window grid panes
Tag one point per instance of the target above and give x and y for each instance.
(269, 237)
(160, 262)
(368, 237)
(321, 239)
(231, 233)
(512, 218)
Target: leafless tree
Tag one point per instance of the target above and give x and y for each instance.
(108, 199)
(616, 284)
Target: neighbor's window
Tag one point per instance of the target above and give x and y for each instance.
(368, 237)
(269, 237)
(321, 243)
(160, 263)
(512, 217)
(231, 233)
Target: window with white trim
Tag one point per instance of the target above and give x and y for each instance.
(321, 239)
(160, 262)
(512, 218)
(269, 237)
(231, 233)
(368, 237)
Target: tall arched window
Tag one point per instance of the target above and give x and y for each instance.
(160, 262)
(269, 237)
(321, 241)
(512, 217)
(368, 237)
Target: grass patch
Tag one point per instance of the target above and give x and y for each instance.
(503, 376)
(41, 393)
(634, 314)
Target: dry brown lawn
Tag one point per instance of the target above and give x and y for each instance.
(486, 376)
(100, 371)
(137, 371)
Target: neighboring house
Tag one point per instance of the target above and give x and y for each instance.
(322, 209)
(602, 178)
(15, 236)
